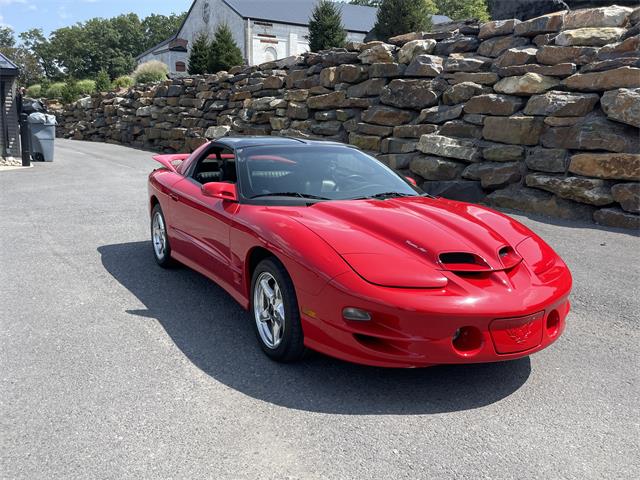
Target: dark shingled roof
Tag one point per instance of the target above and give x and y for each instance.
(354, 17)
(7, 66)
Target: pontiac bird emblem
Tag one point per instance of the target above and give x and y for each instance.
(520, 334)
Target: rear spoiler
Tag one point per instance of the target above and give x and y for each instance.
(171, 162)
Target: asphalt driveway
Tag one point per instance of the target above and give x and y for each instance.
(113, 368)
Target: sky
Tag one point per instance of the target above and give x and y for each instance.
(49, 15)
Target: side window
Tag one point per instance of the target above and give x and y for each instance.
(216, 165)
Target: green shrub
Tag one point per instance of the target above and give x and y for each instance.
(125, 81)
(45, 84)
(464, 9)
(86, 87)
(34, 91)
(103, 81)
(54, 90)
(71, 90)
(151, 72)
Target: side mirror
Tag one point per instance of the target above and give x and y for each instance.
(411, 180)
(223, 191)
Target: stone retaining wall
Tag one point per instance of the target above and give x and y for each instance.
(540, 116)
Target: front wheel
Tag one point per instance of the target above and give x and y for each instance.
(159, 238)
(275, 311)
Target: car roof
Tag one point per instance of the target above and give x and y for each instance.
(264, 141)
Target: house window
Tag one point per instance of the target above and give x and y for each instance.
(181, 67)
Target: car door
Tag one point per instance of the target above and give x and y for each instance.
(202, 224)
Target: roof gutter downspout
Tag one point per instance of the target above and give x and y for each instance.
(248, 47)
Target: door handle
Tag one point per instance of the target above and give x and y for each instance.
(174, 197)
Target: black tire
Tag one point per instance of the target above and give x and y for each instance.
(163, 259)
(291, 347)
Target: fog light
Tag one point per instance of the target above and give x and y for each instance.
(553, 323)
(356, 314)
(467, 341)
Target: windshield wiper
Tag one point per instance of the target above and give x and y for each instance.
(384, 195)
(290, 194)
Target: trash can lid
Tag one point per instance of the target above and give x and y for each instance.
(42, 118)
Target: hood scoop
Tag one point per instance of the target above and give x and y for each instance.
(463, 262)
(471, 262)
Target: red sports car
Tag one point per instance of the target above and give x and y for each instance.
(331, 250)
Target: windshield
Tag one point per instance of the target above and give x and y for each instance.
(327, 172)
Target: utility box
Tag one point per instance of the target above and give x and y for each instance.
(9, 115)
(43, 135)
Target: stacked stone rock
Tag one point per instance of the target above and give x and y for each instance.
(540, 116)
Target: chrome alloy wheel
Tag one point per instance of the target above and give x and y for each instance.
(268, 310)
(159, 236)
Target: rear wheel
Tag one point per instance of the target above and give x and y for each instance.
(275, 310)
(159, 238)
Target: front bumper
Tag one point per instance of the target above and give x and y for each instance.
(468, 322)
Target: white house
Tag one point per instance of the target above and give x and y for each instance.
(265, 30)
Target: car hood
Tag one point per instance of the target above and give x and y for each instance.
(401, 242)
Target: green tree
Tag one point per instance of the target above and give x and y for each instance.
(7, 39)
(366, 3)
(396, 17)
(199, 55)
(224, 52)
(463, 9)
(30, 69)
(157, 28)
(38, 45)
(84, 49)
(71, 51)
(325, 27)
(111, 44)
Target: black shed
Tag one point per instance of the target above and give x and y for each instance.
(9, 126)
